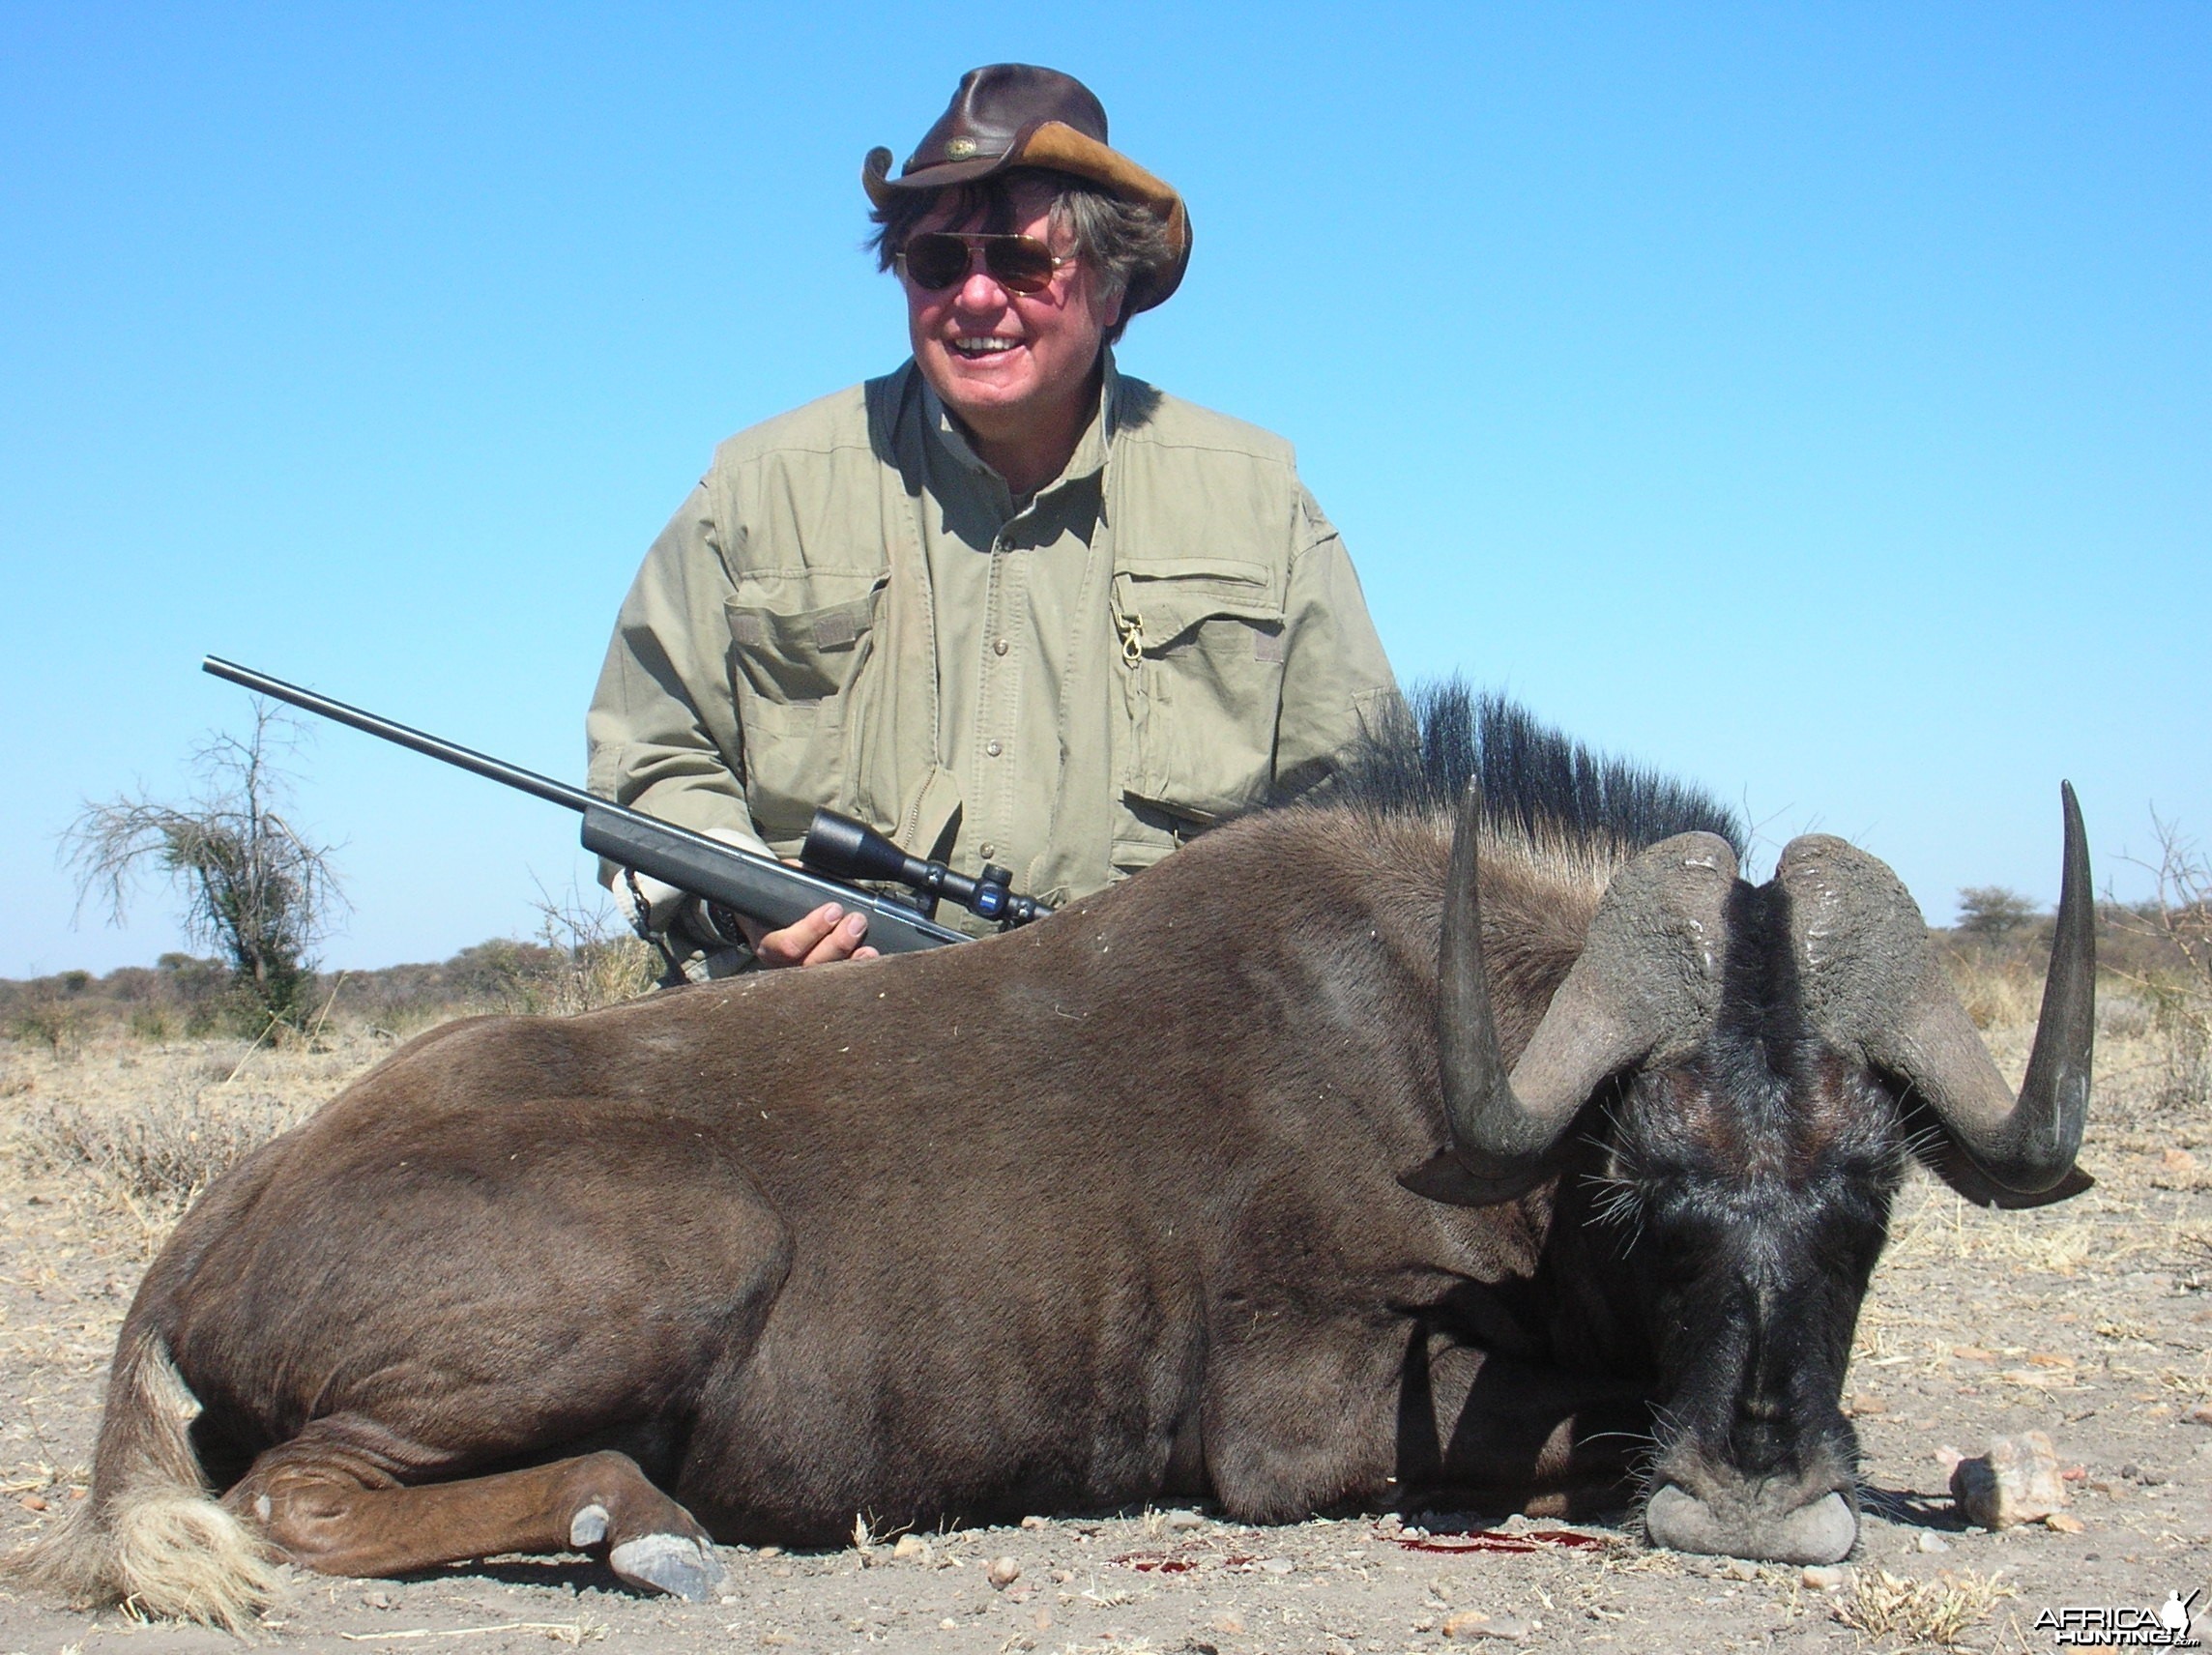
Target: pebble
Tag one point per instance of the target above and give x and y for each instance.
(1033, 1521)
(376, 1600)
(2201, 1413)
(910, 1546)
(2178, 1161)
(2065, 1523)
(1278, 1565)
(1185, 1519)
(1824, 1577)
(32, 1502)
(1230, 1623)
(1928, 1542)
(948, 1624)
(1003, 1572)
(1737, 1568)
(1473, 1623)
(2016, 1481)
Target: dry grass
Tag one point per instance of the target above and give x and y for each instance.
(146, 1128)
(1921, 1612)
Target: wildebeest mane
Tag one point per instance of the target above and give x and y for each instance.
(1538, 785)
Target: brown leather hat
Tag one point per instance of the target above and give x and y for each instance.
(1014, 114)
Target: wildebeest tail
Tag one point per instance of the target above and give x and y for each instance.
(149, 1532)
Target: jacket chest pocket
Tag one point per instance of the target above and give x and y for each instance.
(798, 653)
(1202, 678)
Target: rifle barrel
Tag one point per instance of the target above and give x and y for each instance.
(466, 758)
(758, 886)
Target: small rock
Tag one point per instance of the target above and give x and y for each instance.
(1042, 1619)
(910, 1546)
(2201, 1413)
(1230, 1623)
(376, 1600)
(1931, 1542)
(770, 1551)
(1003, 1572)
(1278, 1565)
(2016, 1481)
(1972, 1353)
(1033, 1521)
(1185, 1519)
(32, 1502)
(2178, 1161)
(1824, 1577)
(1737, 1568)
(1862, 1404)
(948, 1624)
(2065, 1523)
(1473, 1623)
(1061, 1576)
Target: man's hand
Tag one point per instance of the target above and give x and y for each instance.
(826, 934)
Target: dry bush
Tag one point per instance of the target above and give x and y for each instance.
(2178, 990)
(1999, 992)
(1938, 1611)
(583, 959)
(164, 1149)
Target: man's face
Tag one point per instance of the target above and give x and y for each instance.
(1005, 361)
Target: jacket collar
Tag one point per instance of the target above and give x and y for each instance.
(1091, 449)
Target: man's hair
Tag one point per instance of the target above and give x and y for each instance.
(1118, 239)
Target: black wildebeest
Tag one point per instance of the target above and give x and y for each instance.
(1352, 1155)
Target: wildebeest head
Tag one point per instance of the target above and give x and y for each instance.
(1767, 1058)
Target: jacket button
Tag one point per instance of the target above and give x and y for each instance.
(993, 748)
(986, 850)
(998, 647)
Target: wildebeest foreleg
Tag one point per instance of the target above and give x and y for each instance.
(1518, 1433)
(337, 1506)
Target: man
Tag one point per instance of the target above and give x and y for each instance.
(1004, 604)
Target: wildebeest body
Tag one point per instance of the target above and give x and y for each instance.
(1118, 1207)
(957, 1233)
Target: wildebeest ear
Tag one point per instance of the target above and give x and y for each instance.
(1948, 1162)
(1443, 1176)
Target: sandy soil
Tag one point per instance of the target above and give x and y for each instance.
(2091, 1321)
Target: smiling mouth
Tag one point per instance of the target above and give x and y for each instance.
(974, 345)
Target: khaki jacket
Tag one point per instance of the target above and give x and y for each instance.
(1167, 633)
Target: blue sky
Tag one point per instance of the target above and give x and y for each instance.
(1812, 401)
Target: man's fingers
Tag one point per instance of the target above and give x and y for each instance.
(795, 943)
(826, 935)
(843, 938)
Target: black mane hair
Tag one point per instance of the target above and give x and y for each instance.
(1538, 784)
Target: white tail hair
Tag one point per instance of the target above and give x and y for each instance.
(149, 1533)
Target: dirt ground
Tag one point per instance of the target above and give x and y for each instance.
(2091, 1321)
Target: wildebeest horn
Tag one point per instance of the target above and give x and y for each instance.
(1648, 981)
(1875, 989)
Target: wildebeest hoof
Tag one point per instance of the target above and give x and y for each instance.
(1821, 1532)
(589, 1527)
(671, 1563)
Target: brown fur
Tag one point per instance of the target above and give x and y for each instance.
(1095, 1212)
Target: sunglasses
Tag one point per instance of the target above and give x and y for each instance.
(937, 259)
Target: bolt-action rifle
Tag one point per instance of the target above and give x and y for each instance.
(719, 877)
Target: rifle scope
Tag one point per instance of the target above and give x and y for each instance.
(848, 850)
